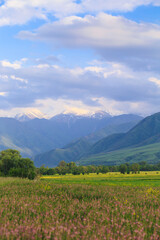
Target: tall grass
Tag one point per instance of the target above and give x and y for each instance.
(45, 210)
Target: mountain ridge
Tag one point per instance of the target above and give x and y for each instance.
(146, 132)
(40, 135)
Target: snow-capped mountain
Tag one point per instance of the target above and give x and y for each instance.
(101, 115)
(29, 115)
(65, 117)
(33, 135)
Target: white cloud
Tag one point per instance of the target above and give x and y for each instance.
(114, 5)
(104, 30)
(18, 79)
(77, 88)
(3, 93)
(52, 107)
(14, 15)
(42, 66)
(114, 38)
(155, 80)
(19, 12)
(15, 65)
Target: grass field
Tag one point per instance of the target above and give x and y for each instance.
(104, 206)
(112, 179)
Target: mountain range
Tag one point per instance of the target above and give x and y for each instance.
(31, 134)
(141, 142)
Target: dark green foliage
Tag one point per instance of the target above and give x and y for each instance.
(135, 167)
(123, 168)
(9, 159)
(62, 164)
(12, 164)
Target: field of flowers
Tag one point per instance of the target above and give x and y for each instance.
(59, 209)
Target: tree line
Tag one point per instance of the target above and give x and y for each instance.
(12, 164)
(64, 168)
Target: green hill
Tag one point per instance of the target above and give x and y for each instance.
(145, 132)
(69, 153)
(118, 124)
(142, 142)
(149, 153)
(105, 144)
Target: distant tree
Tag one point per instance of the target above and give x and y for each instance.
(58, 170)
(76, 170)
(83, 170)
(123, 168)
(105, 169)
(62, 164)
(43, 170)
(91, 169)
(71, 164)
(51, 171)
(113, 168)
(135, 167)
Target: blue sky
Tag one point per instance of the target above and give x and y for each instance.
(79, 56)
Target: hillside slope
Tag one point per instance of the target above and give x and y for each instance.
(118, 124)
(127, 147)
(35, 136)
(145, 133)
(113, 124)
(148, 153)
(69, 153)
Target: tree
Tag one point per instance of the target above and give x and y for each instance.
(9, 159)
(43, 170)
(12, 164)
(62, 164)
(105, 169)
(135, 167)
(123, 168)
(76, 170)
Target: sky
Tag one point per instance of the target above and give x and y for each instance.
(79, 56)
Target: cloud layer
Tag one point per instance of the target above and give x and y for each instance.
(24, 86)
(113, 38)
(14, 12)
(125, 76)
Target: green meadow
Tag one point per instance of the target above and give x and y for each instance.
(115, 179)
(104, 206)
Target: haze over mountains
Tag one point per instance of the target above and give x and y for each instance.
(142, 142)
(31, 135)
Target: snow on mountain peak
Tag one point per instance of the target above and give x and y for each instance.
(29, 115)
(100, 115)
